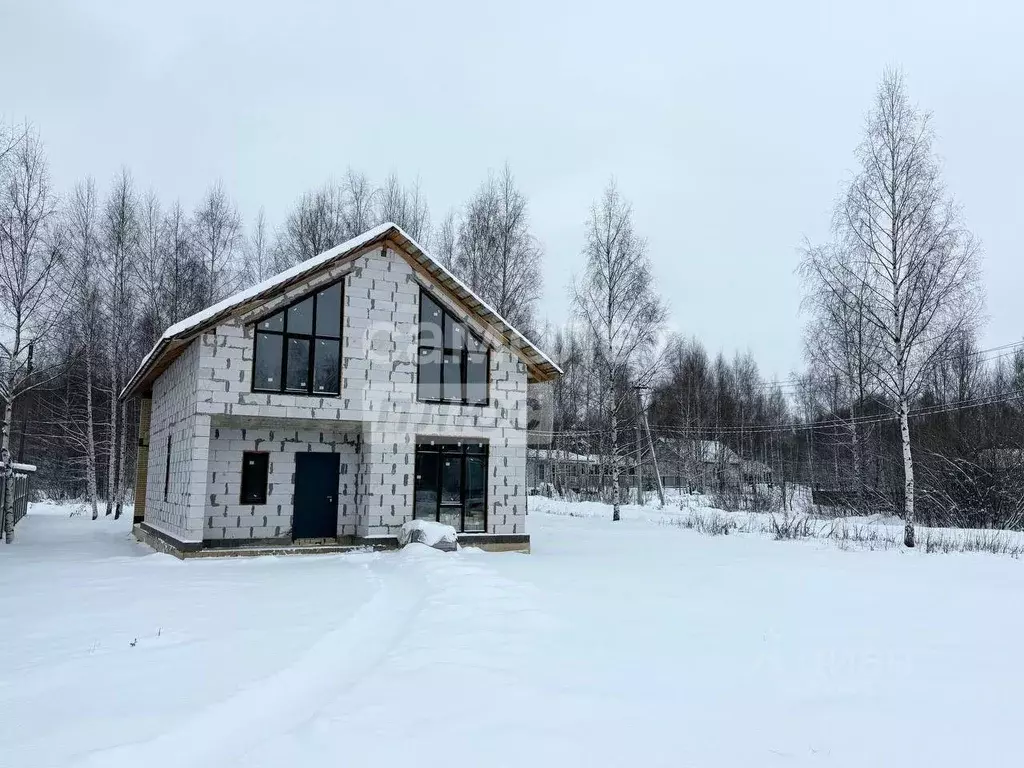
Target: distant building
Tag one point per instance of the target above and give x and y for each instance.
(698, 466)
(569, 471)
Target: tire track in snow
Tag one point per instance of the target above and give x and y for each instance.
(475, 625)
(221, 733)
(472, 635)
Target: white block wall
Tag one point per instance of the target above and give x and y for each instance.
(174, 414)
(228, 518)
(379, 342)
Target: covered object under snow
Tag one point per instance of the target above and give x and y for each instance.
(436, 535)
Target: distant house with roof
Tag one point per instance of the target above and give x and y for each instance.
(566, 470)
(698, 465)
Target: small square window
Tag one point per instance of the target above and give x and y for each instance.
(254, 477)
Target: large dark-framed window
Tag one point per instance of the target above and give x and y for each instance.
(255, 467)
(451, 484)
(452, 363)
(298, 348)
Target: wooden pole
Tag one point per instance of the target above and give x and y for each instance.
(654, 460)
(639, 450)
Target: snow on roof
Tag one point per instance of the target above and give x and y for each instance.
(199, 319)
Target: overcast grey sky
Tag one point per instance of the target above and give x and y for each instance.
(730, 126)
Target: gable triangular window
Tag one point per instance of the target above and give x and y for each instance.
(298, 349)
(453, 363)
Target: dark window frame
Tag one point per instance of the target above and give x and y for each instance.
(167, 470)
(464, 449)
(260, 498)
(284, 334)
(442, 351)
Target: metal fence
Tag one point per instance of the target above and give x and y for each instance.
(21, 483)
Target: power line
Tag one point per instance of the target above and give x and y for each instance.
(756, 429)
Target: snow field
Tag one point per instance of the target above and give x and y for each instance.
(611, 644)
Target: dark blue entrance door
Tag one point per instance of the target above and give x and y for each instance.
(315, 508)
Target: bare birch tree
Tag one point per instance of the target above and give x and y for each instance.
(120, 239)
(617, 302)
(911, 259)
(446, 240)
(406, 207)
(318, 222)
(474, 243)
(84, 262)
(10, 139)
(496, 253)
(841, 340)
(260, 263)
(217, 229)
(185, 276)
(150, 269)
(30, 258)
(360, 200)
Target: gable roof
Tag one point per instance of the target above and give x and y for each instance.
(172, 343)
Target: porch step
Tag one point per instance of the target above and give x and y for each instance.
(278, 550)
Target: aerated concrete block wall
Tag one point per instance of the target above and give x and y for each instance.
(379, 349)
(228, 518)
(174, 414)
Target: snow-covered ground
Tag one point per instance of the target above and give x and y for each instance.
(612, 644)
(851, 531)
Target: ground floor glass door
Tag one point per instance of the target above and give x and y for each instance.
(451, 484)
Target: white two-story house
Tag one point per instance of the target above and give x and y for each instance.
(358, 390)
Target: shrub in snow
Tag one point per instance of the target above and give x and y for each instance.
(710, 522)
(997, 542)
(847, 534)
(436, 535)
(787, 526)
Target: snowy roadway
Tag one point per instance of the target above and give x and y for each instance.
(611, 645)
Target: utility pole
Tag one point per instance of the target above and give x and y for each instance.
(639, 448)
(641, 421)
(654, 459)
